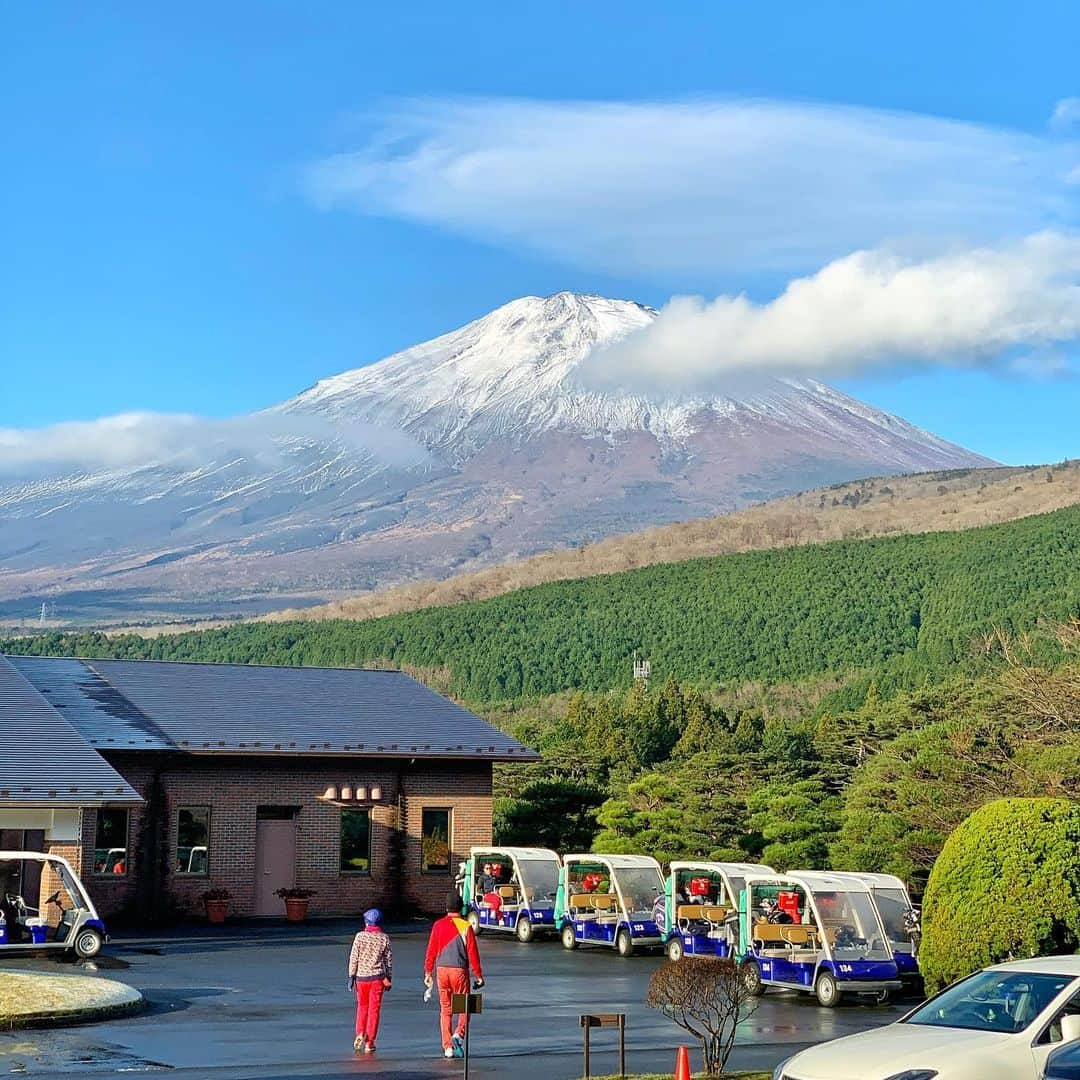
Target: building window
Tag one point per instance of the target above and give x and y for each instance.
(355, 841)
(193, 840)
(435, 842)
(110, 842)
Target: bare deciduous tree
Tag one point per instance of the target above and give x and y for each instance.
(708, 998)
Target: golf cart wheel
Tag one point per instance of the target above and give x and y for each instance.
(827, 990)
(473, 919)
(88, 943)
(568, 937)
(675, 950)
(624, 943)
(883, 997)
(524, 929)
(751, 975)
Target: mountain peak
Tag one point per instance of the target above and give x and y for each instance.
(509, 375)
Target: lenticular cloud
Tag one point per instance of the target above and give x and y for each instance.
(729, 186)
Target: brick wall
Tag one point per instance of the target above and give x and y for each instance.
(50, 880)
(233, 788)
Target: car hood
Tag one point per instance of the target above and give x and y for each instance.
(875, 1055)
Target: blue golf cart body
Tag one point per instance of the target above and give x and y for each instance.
(834, 944)
(608, 900)
(893, 901)
(524, 886)
(701, 907)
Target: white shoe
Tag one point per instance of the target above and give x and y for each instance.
(448, 1052)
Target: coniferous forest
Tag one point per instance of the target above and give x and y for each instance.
(843, 704)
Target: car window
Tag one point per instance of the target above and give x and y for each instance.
(1052, 1032)
(1005, 1001)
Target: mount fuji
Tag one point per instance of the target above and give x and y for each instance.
(481, 445)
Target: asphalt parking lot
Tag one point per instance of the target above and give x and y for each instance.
(271, 1001)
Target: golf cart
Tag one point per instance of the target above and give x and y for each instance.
(608, 900)
(816, 932)
(701, 907)
(901, 919)
(25, 928)
(511, 890)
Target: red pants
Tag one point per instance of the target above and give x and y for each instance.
(368, 1006)
(450, 981)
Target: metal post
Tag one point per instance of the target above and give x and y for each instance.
(468, 1025)
(588, 1073)
(622, 1044)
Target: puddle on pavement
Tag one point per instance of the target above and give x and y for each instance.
(103, 963)
(26, 1053)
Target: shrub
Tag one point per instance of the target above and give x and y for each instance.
(706, 997)
(1005, 886)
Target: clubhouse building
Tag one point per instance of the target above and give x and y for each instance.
(161, 781)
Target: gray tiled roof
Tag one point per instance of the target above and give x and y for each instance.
(43, 759)
(100, 713)
(224, 708)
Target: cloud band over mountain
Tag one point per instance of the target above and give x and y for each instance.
(984, 306)
(179, 441)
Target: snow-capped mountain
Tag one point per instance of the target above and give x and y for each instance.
(477, 446)
(513, 375)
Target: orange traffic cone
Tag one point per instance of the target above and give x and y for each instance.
(682, 1064)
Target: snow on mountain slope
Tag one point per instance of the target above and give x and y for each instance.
(478, 446)
(512, 374)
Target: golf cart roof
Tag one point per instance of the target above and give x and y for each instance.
(615, 862)
(33, 856)
(816, 881)
(875, 881)
(741, 869)
(516, 852)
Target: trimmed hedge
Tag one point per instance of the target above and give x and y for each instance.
(1006, 886)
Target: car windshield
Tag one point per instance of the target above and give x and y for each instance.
(640, 886)
(850, 921)
(893, 905)
(539, 878)
(1007, 1001)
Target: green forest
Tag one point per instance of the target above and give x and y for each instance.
(846, 704)
(907, 608)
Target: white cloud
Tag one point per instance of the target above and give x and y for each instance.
(178, 441)
(729, 185)
(869, 309)
(1066, 114)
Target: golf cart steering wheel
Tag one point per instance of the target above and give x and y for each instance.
(55, 899)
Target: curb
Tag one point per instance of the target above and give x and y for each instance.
(63, 1018)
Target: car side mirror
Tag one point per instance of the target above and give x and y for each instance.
(1070, 1027)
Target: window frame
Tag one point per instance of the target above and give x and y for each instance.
(191, 874)
(449, 812)
(111, 875)
(342, 870)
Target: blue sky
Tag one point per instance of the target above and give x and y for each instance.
(173, 245)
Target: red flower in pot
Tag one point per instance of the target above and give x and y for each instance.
(296, 902)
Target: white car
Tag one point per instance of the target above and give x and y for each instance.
(998, 1024)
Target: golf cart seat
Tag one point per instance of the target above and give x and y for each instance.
(581, 905)
(711, 913)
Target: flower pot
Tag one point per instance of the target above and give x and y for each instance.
(296, 909)
(216, 910)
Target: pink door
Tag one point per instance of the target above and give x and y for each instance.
(275, 863)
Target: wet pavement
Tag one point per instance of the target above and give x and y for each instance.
(271, 1001)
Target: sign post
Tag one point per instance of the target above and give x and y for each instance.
(467, 1005)
(601, 1020)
